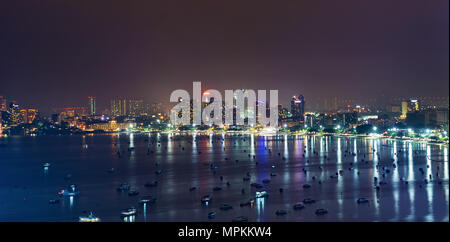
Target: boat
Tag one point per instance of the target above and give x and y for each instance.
(308, 201)
(206, 199)
(298, 206)
(123, 187)
(133, 193)
(151, 184)
(362, 200)
(158, 172)
(321, 211)
(46, 165)
(226, 207)
(262, 194)
(240, 219)
(246, 178)
(306, 185)
(250, 202)
(217, 188)
(54, 201)
(211, 215)
(71, 191)
(266, 181)
(280, 212)
(192, 189)
(147, 199)
(128, 212)
(256, 185)
(111, 170)
(89, 218)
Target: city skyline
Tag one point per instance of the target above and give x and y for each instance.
(344, 49)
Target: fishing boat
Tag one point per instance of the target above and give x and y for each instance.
(89, 218)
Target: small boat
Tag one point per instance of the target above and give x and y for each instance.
(111, 170)
(68, 176)
(211, 215)
(280, 212)
(226, 207)
(240, 219)
(147, 199)
(256, 185)
(158, 172)
(217, 188)
(308, 201)
(306, 185)
(54, 201)
(321, 211)
(273, 174)
(250, 202)
(298, 206)
(46, 165)
(133, 193)
(71, 191)
(266, 181)
(192, 189)
(89, 218)
(206, 199)
(362, 200)
(151, 184)
(246, 178)
(123, 187)
(261, 194)
(128, 212)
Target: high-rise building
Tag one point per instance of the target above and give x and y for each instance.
(135, 107)
(15, 115)
(404, 109)
(92, 108)
(298, 108)
(28, 115)
(118, 107)
(3, 103)
(413, 105)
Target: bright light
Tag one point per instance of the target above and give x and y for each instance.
(374, 128)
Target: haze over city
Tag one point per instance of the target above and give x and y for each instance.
(56, 54)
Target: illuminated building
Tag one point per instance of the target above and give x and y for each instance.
(28, 115)
(413, 105)
(2, 103)
(135, 107)
(404, 110)
(118, 107)
(92, 109)
(15, 115)
(298, 108)
(110, 126)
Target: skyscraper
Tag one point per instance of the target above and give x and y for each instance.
(298, 108)
(135, 107)
(92, 110)
(2, 103)
(28, 115)
(118, 107)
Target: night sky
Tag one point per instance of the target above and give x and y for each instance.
(57, 53)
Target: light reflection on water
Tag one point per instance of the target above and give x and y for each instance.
(185, 161)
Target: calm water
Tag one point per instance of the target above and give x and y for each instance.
(25, 187)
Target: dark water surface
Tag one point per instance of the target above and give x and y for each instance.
(25, 187)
